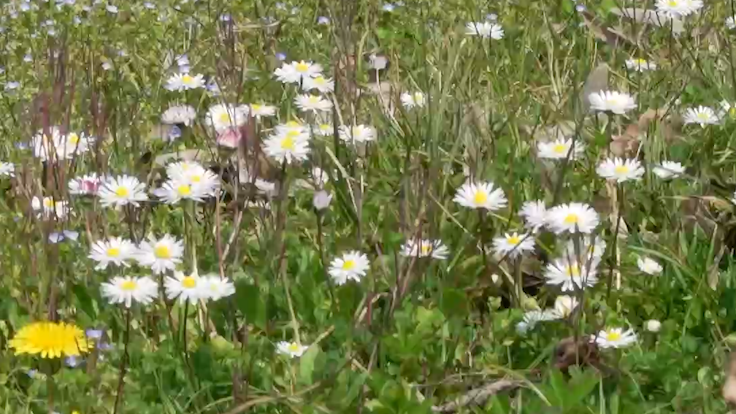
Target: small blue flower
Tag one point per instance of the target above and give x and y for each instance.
(56, 238)
(174, 133)
(580, 8)
(94, 333)
(389, 7)
(281, 56)
(323, 20)
(72, 361)
(491, 17)
(32, 372)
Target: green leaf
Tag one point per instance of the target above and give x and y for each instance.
(250, 301)
(306, 365)
(85, 300)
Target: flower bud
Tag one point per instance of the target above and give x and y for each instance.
(321, 200)
(653, 325)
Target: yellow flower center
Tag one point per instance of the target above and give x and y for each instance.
(73, 138)
(128, 285)
(614, 336)
(255, 107)
(122, 192)
(732, 111)
(572, 218)
(186, 79)
(48, 202)
(348, 265)
(480, 197)
(196, 178)
(641, 62)
(673, 3)
(293, 347)
(113, 252)
(189, 282)
(162, 252)
(184, 190)
(513, 240)
(418, 96)
(559, 148)
(302, 67)
(621, 169)
(703, 116)
(287, 143)
(573, 271)
(324, 127)
(319, 80)
(426, 248)
(313, 99)
(292, 124)
(224, 118)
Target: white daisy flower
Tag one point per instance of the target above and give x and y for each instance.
(534, 214)
(564, 305)
(612, 101)
(513, 245)
(731, 22)
(533, 317)
(320, 83)
(572, 217)
(86, 185)
(620, 170)
(126, 289)
(289, 147)
(7, 169)
(560, 149)
(640, 65)
(358, 133)
(223, 116)
(121, 191)
(312, 103)
(262, 110)
(179, 114)
(58, 146)
(160, 255)
(702, 116)
(296, 72)
(425, 248)
(48, 208)
(324, 130)
(185, 287)
(484, 29)
(115, 250)
(215, 288)
(480, 195)
(353, 265)
(192, 172)
(411, 100)
(184, 82)
(678, 8)
(668, 169)
(614, 338)
(571, 275)
(173, 191)
(727, 109)
(649, 266)
(292, 349)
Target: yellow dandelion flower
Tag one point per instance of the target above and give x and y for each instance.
(50, 339)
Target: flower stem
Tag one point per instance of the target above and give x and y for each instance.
(123, 363)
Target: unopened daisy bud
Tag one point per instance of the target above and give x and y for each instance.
(321, 200)
(653, 325)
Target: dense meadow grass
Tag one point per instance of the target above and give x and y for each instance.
(343, 206)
